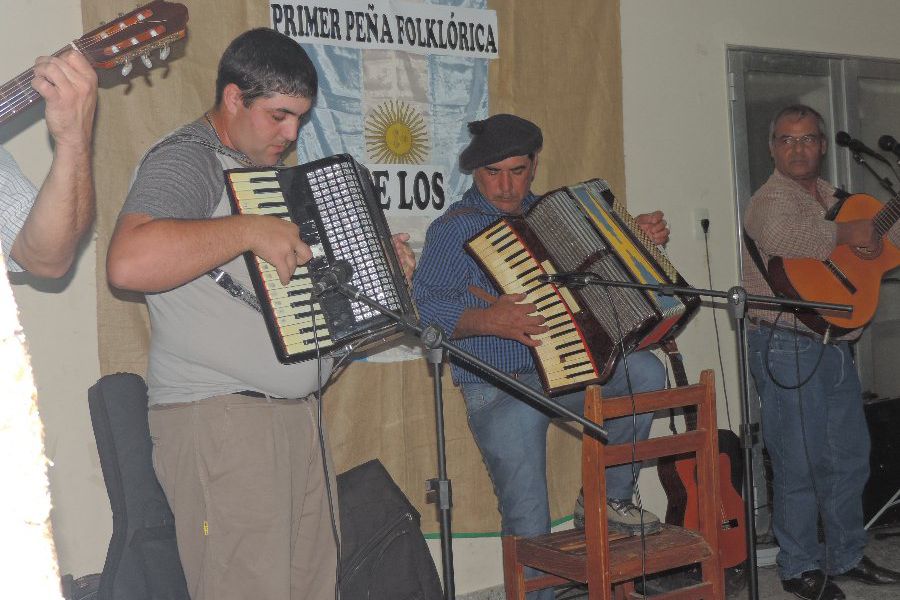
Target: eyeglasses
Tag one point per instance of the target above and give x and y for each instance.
(789, 141)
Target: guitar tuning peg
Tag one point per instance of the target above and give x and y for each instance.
(146, 60)
(164, 52)
(126, 68)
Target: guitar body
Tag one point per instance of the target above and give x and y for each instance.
(685, 513)
(733, 533)
(732, 540)
(674, 487)
(848, 276)
(679, 480)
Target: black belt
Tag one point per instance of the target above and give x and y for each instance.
(253, 394)
(800, 332)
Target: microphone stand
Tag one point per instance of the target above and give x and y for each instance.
(883, 181)
(737, 298)
(439, 489)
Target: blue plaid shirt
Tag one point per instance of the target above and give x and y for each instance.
(442, 278)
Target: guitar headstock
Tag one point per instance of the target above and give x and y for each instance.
(135, 35)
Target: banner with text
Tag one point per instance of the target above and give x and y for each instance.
(390, 25)
(398, 82)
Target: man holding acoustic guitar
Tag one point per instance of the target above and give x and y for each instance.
(813, 423)
(40, 230)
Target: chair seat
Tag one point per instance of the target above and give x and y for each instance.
(607, 562)
(671, 547)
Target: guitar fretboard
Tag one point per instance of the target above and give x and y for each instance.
(150, 27)
(17, 94)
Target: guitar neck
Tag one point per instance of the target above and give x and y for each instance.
(150, 27)
(17, 94)
(887, 216)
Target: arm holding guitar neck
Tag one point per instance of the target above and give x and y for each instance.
(64, 207)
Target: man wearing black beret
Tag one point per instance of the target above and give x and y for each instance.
(452, 291)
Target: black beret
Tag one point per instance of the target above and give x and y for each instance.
(497, 138)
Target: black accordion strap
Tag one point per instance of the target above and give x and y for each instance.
(227, 283)
(678, 373)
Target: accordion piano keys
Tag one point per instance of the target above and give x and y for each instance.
(563, 356)
(300, 321)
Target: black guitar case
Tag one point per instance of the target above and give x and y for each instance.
(142, 560)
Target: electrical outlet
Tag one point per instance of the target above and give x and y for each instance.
(699, 215)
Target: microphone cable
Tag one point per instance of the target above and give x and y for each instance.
(634, 470)
(704, 224)
(320, 425)
(796, 331)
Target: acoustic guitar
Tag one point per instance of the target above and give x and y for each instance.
(848, 276)
(679, 480)
(117, 43)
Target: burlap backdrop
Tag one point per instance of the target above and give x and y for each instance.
(560, 66)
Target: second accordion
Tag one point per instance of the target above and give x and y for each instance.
(583, 228)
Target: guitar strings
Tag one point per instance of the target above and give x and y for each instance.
(24, 79)
(17, 93)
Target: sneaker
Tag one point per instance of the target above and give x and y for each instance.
(578, 511)
(622, 517)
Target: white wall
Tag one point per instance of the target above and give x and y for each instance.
(59, 318)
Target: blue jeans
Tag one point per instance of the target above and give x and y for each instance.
(512, 436)
(818, 441)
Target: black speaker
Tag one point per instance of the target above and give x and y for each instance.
(883, 417)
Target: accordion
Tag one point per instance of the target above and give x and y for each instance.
(334, 204)
(583, 228)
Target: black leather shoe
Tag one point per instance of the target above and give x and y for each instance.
(868, 572)
(810, 584)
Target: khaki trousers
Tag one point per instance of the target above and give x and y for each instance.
(245, 481)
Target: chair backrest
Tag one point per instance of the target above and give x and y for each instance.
(142, 560)
(701, 442)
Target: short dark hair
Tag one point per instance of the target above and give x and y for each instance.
(797, 112)
(263, 62)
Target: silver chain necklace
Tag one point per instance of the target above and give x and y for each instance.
(235, 154)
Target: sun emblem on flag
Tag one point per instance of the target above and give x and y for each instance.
(396, 134)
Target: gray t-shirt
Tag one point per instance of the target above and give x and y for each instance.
(203, 341)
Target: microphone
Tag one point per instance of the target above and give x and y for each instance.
(842, 138)
(889, 144)
(566, 279)
(332, 276)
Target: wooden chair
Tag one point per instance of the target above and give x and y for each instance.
(608, 563)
